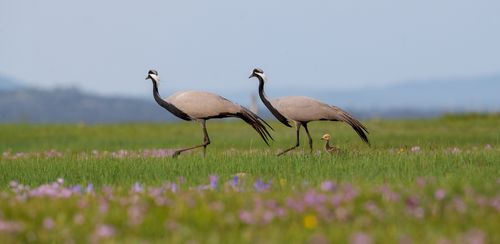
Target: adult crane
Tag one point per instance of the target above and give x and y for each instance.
(302, 110)
(202, 106)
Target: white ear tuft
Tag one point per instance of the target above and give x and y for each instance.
(155, 78)
(263, 76)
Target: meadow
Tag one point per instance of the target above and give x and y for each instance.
(421, 181)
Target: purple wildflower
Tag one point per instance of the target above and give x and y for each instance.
(90, 188)
(235, 180)
(213, 181)
(174, 188)
(137, 188)
(260, 185)
(328, 186)
(312, 198)
(76, 189)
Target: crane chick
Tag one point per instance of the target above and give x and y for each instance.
(328, 148)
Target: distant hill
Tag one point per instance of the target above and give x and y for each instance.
(470, 94)
(9, 84)
(73, 106)
(405, 100)
(464, 94)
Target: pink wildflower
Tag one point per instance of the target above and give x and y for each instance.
(246, 217)
(415, 149)
(439, 194)
(48, 223)
(103, 231)
(361, 238)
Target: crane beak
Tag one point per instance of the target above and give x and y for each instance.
(252, 75)
(148, 77)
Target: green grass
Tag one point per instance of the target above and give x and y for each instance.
(236, 148)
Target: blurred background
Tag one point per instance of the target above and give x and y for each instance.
(64, 61)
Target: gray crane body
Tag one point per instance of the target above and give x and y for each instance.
(202, 105)
(300, 108)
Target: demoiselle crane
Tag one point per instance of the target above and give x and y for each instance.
(202, 106)
(302, 110)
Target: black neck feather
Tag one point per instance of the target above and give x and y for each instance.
(168, 106)
(268, 104)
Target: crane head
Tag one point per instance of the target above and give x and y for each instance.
(153, 75)
(259, 73)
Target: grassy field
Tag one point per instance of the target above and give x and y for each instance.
(421, 181)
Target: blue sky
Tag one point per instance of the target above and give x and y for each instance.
(108, 46)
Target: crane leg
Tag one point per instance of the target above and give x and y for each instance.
(297, 130)
(309, 136)
(206, 142)
(206, 139)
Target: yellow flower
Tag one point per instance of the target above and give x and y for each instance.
(283, 182)
(310, 221)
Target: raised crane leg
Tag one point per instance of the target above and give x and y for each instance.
(297, 129)
(206, 141)
(310, 139)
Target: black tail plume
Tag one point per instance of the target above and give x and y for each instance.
(356, 125)
(257, 123)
